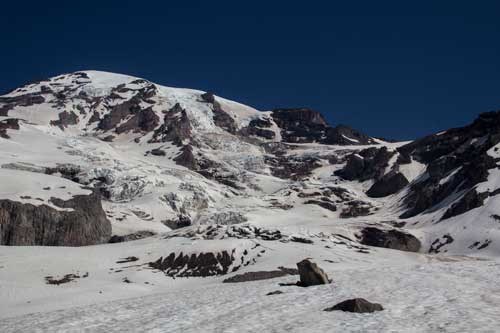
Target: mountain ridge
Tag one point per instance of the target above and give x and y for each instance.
(237, 152)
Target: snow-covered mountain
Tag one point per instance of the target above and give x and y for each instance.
(217, 188)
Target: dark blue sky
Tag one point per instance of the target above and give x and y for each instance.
(399, 69)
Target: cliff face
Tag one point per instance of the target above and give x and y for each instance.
(27, 224)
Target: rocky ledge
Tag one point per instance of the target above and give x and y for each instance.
(84, 223)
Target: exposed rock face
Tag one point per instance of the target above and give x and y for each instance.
(8, 103)
(221, 117)
(458, 156)
(356, 208)
(391, 239)
(358, 305)
(289, 166)
(176, 127)
(389, 184)
(135, 110)
(8, 124)
(345, 135)
(259, 127)
(367, 164)
(469, 201)
(65, 118)
(201, 264)
(311, 274)
(304, 125)
(144, 121)
(26, 224)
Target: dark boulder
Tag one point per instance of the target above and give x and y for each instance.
(357, 305)
(389, 184)
(391, 239)
(311, 274)
(182, 221)
(158, 152)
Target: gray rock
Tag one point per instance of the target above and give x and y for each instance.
(131, 237)
(358, 305)
(391, 239)
(26, 224)
(311, 274)
(261, 275)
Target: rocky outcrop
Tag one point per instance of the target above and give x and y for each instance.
(8, 103)
(356, 208)
(470, 200)
(181, 221)
(389, 184)
(261, 275)
(131, 237)
(345, 135)
(221, 118)
(196, 264)
(357, 305)
(311, 274)
(391, 239)
(259, 127)
(289, 166)
(144, 121)
(138, 116)
(302, 125)
(369, 163)
(457, 160)
(65, 118)
(325, 203)
(27, 224)
(8, 124)
(176, 127)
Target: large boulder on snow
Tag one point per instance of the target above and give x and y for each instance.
(391, 239)
(81, 221)
(311, 274)
(358, 305)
